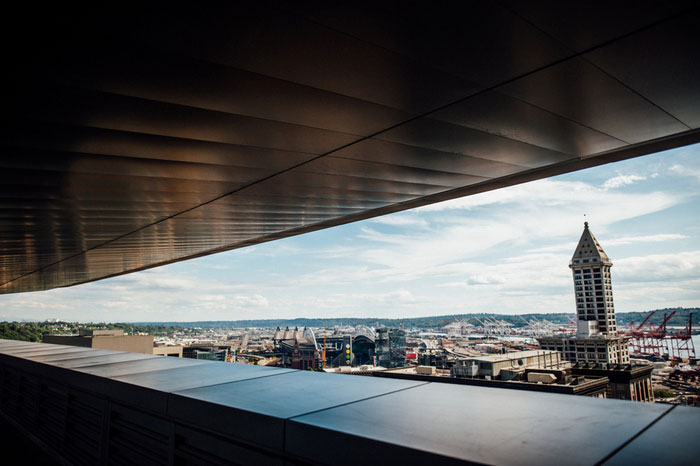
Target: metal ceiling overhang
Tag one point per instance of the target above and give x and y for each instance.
(133, 138)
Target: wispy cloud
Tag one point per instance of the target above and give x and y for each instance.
(645, 239)
(659, 268)
(622, 180)
(401, 220)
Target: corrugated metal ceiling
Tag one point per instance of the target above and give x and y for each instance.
(133, 138)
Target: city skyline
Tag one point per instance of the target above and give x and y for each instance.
(503, 251)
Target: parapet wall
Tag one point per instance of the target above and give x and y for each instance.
(99, 407)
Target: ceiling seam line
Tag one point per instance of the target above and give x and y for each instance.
(563, 117)
(457, 154)
(361, 400)
(633, 437)
(372, 135)
(432, 170)
(494, 87)
(637, 93)
(617, 39)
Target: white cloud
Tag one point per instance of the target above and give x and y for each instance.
(481, 279)
(663, 237)
(659, 268)
(685, 170)
(573, 198)
(622, 180)
(403, 220)
(251, 301)
(569, 246)
(527, 215)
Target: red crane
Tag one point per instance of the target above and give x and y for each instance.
(657, 338)
(653, 342)
(681, 343)
(637, 334)
(660, 343)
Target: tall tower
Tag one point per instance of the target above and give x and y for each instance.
(593, 289)
(596, 340)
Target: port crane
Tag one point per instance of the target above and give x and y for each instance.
(661, 343)
(653, 342)
(681, 344)
(637, 334)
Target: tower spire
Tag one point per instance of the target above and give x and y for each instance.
(589, 249)
(596, 337)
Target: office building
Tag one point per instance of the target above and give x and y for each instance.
(596, 338)
(105, 339)
(390, 347)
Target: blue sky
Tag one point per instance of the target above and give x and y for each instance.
(504, 251)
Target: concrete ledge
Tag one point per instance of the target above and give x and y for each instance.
(158, 410)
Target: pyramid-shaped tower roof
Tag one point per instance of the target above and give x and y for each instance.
(589, 248)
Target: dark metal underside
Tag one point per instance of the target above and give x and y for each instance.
(133, 138)
(99, 407)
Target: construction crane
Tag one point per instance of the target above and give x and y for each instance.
(640, 326)
(637, 334)
(680, 344)
(656, 339)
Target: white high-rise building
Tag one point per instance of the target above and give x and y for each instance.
(596, 337)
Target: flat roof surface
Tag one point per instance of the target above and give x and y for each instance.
(512, 356)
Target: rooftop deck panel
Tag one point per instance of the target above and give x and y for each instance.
(671, 441)
(98, 360)
(273, 415)
(148, 364)
(198, 376)
(475, 424)
(257, 408)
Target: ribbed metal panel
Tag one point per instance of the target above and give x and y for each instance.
(132, 138)
(135, 437)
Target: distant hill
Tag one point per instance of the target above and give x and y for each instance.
(436, 322)
(680, 318)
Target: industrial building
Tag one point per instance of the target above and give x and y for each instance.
(506, 366)
(539, 379)
(298, 348)
(105, 339)
(114, 340)
(206, 352)
(301, 349)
